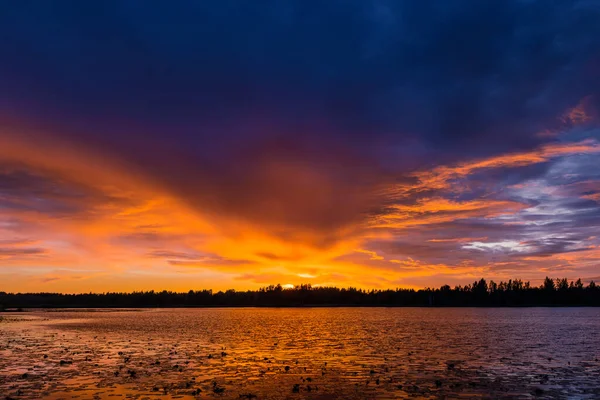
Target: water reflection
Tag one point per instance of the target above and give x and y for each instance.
(318, 353)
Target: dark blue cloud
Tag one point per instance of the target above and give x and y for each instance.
(209, 97)
(482, 73)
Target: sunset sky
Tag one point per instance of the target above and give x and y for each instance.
(236, 144)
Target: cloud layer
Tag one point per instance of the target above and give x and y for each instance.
(371, 143)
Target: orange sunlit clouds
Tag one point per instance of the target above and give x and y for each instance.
(580, 114)
(594, 196)
(442, 177)
(83, 221)
(137, 153)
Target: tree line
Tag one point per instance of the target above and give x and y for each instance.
(552, 292)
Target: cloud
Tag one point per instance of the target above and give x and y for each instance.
(258, 117)
(12, 252)
(144, 138)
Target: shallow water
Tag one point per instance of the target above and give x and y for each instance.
(318, 353)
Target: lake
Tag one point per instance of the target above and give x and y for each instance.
(301, 353)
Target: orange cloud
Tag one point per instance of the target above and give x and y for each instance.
(595, 197)
(580, 114)
(104, 224)
(438, 210)
(442, 177)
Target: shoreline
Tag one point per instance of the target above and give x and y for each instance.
(149, 307)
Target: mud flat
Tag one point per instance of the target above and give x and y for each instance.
(349, 353)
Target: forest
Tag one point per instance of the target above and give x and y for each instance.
(514, 293)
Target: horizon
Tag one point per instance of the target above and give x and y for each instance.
(308, 285)
(513, 293)
(377, 144)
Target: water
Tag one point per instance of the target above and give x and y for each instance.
(320, 353)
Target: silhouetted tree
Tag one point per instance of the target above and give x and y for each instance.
(548, 284)
(511, 293)
(562, 284)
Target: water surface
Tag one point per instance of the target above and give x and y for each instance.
(318, 353)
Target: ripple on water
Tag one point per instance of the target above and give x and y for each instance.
(318, 353)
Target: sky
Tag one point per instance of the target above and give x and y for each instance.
(236, 144)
